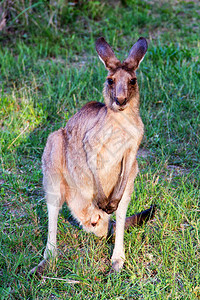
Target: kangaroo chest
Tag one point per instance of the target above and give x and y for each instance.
(100, 149)
(108, 148)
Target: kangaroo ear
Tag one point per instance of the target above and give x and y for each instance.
(106, 54)
(136, 54)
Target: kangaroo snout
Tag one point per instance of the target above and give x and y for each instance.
(120, 101)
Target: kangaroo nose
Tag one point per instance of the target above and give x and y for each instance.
(120, 101)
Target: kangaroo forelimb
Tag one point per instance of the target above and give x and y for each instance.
(118, 191)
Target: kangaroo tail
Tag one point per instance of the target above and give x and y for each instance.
(140, 218)
(135, 220)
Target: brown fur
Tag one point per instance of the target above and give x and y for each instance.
(91, 163)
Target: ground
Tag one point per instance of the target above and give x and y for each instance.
(49, 69)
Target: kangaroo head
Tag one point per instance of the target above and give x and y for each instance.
(121, 87)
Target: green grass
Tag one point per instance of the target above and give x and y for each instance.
(48, 70)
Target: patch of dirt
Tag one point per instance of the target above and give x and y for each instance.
(78, 61)
(2, 182)
(144, 153)
(177, 171)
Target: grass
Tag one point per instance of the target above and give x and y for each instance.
(48, 70)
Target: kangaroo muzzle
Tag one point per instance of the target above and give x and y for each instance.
(120, 101)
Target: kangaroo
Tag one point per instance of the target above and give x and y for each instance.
(91, 163)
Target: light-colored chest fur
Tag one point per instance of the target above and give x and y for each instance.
(100, 149)
(106, 147)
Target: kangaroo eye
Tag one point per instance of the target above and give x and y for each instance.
(133, 81)
(110, 81)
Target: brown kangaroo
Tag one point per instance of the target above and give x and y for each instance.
(91, 163)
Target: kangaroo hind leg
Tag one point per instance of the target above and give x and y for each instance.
(53, 164)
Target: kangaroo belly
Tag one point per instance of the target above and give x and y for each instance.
(108, 177)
